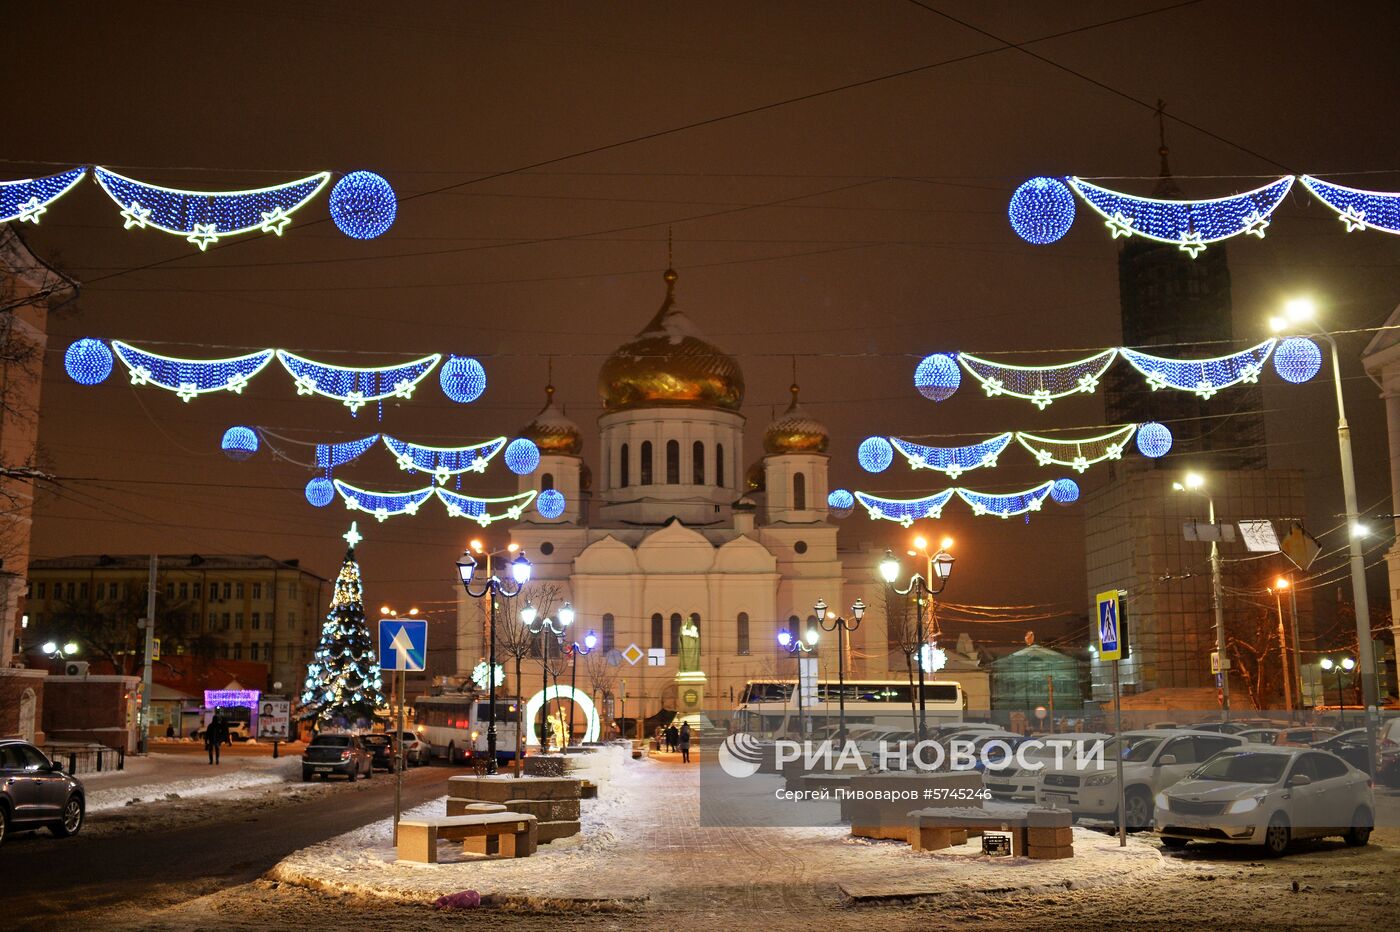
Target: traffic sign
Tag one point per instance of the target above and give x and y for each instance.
(656, 656)
(1215, 664)
(632, 653)
(403, 644)
(1110, 629)
(1300, 547)
(1041, 712)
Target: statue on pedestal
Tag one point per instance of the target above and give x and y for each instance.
(690, 647)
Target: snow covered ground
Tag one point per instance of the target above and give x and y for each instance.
(234, 774)
(642, 843)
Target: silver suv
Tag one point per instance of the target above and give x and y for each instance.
(36, 793)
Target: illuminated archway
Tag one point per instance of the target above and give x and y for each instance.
(592, 727)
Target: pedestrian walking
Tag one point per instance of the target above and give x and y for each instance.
(215, 733)
(684, 739)
(673, 738)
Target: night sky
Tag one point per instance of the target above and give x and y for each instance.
(856, 230)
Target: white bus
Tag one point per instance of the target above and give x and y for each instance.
(454, 725)
(769, 707)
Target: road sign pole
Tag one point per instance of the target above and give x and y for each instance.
(150, 650)
(1118, 763)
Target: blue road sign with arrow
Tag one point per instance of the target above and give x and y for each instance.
(403, 644)
(1110, 631)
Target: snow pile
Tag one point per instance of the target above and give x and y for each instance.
(642, 838)
(253, 772)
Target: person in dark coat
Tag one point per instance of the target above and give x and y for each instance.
(673, 738)
(684, 740)
(214, 736)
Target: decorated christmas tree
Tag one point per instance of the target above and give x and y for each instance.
(343, 683)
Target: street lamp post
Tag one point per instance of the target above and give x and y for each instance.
(1280, 584)
(590, 641)
(546, 627)
(493, 587)
(843, 628)
(940, 566)
(1193, 483)
(1338, 667)
(790, 642)
(1296, 313)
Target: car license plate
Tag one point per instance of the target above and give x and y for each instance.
(1057, 799)
(323, 770)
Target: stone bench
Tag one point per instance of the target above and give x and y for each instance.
(503, 834)
(1038, 834)
(552, 801)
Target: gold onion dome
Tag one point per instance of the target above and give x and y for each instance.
(551, 431)
(795, 431)
(670, 364)
(755, 479)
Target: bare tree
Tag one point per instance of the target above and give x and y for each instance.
(1254, 654)
(515, 641)
(902, 625)
(107, 629)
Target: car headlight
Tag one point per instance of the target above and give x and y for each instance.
(1248, 804)
(1161, 801)
(1099, 779)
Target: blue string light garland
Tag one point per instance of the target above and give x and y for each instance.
(444, 462)
(203, 217)
(1005, 506)
(479, 509)
(331, 455)
(1191, 225)
(189, 378)
(1039, 385)
(953, 461)
(382, 505)
(905, 510)
(27, 199)
(1078, 453)
(1205, 377)
(355, 386)
(1358, 209)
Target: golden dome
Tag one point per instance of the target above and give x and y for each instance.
(669, 363)
(755, 478)
(551, 431)
(795, 431)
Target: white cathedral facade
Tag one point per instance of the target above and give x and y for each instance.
(677, 532)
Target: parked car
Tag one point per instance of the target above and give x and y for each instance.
(383, 749)
(344, 755)
(1260, 735)
(417, 751)
(1017, 783)
(1152, 761)
(36, 793)
(1303, 737)
(1268, 797)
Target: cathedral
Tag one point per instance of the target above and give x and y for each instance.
(670, 544)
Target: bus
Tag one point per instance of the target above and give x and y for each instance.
(454, 725)
(769, 707)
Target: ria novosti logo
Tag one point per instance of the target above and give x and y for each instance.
(740, 754)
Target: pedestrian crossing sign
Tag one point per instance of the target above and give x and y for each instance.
(1110, 625)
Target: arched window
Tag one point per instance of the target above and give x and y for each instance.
(697, 463)
(624, 471)
(799, 492)
(547, 482)
(645, 470)
(675, 632)
(658, 625)
(673, 462)
(794, 626)
(812, 624)
(719, 465)
(741, 634)
(609, 632)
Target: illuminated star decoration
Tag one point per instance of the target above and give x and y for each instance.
(352, 536)
(1353, 218)
(187, 391)
(236, 383)
(274, 220)
(1255, 225)
(203, 234)
(31, 210)
(1192, 245)
(1119, 224)
(135, 216)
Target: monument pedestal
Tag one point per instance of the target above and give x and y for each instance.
(690, 696)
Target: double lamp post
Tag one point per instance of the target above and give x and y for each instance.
(495, 588)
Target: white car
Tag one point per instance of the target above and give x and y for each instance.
(1152, 761)
(1017, 783)
(1267, 796)
(416, 749)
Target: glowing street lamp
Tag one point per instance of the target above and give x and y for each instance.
(843, 628)
(492, 587)
(590, 641)
(938, 565)
(797, 646)
(529, 615)
(1338, 668)
(1195, 482)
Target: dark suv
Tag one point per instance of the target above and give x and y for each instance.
(36, 793)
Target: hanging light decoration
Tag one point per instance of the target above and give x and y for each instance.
(1064, 491)
(875, 454)
(463, 379)
(1297, 359)
(87, 361)
(550, 504)
(522, 456)
(938, 376)
(320, 491)
(1042, 210)
(363, 205)
(1154, 440)
(840, 503)
(239, 443)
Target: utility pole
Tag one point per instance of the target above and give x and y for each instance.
(150, 625)
(1217, 591)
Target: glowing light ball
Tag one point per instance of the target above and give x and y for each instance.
(1296, 360)
(875, 454)
(1064, 491)
(88, 361)
(363, 205)
(550, 504)
(522, 456)
(938, 376)
(239, 443)
(840, 503)
(320, 492)
(1154, 440)
(1042, 210)
(462, 379)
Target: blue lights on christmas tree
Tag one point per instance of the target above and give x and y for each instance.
(344, 685)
